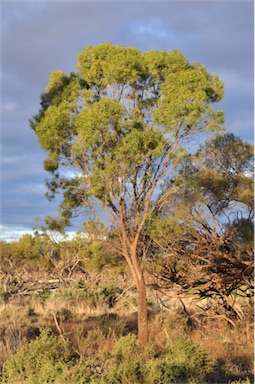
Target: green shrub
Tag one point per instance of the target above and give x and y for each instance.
(127, 366)
(40, 361)
(73, 296)
(81, 374)
(109, 294)
(128, 371)
(126, 347)
(240, 381)
(96, 256)
(186, 360)
(181, 362)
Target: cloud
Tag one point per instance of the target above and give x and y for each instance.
(8, 107)
(13, 233)
(148, 28)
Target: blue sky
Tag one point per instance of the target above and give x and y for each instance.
(38, 37)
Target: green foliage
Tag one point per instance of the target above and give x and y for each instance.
(127, 347)
(45, 293)
(116, 119)
(35, 252)
(109, 294)
(94, 229)
(181, 361)
(83, 374)
(188, 92)
(73, 296)
(96, 256)
(41, 361)
(226, 169)
(162, 230)
(108, 64)
(240, 381)
(32, 247)
(128, 371)
(128, 366)
(186, 361)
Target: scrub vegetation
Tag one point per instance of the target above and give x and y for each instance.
(65, 318)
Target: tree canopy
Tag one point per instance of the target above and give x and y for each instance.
(118, 121)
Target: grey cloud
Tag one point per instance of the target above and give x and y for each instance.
(53, 38)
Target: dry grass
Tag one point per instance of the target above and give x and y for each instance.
(93, 326)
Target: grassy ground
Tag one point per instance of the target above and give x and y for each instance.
(91, 317)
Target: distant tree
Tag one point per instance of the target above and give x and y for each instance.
(114, 130)
(205, 231)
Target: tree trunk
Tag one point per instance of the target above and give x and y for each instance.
(142, 311)
(131, 257)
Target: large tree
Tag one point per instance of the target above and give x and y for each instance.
(115, 129)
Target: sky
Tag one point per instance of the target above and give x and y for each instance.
(38, 37)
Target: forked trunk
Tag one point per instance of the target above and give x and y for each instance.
(138, 275)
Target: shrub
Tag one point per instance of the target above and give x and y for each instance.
(109, 294)
(40, 361)
(127, 364)
(128, 371)
(181, 362)
(186, 360)
(240, 381)
(83, 374)
(73, 296)
(126, 347)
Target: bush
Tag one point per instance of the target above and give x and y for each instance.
(40, 361)
(126, 347)
(181, 362)
(109, 294)
(240, 381)
(73, 296)
(128, 371)
(83, 374)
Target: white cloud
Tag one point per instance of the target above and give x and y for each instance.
(8, 107)
(148, 27)
(10, 234)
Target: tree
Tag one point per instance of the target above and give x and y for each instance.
(205, 232)
(119, 125)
